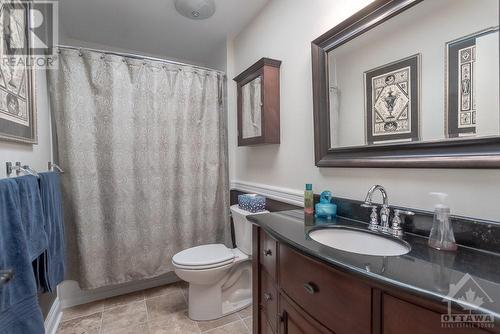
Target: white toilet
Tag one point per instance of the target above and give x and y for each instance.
(220, 278)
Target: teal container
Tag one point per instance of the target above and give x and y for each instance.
(325, 208)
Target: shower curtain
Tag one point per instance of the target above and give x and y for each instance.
(143, 145)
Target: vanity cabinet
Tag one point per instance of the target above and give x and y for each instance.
(296, 294)
(259, 103)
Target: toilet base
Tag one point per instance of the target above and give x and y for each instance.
(232, 294)
(205, 303)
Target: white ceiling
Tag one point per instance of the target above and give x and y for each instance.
(154, 27)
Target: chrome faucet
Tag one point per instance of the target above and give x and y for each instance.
(384, 211)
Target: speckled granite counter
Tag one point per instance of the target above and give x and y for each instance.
(423, 271)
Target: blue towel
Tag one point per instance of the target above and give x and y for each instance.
(19, 309)
(50, 189)
(32, 215)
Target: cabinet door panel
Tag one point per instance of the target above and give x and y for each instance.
(295, 321)
(399, 316)
(269, 253)
(269, 299)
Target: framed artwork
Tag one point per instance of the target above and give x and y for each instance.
(17, 98)
(460, 90)
(392, 101)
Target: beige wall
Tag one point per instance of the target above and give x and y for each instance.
(284, 30)
(36, 156)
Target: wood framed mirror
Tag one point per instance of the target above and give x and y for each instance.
(392, 88)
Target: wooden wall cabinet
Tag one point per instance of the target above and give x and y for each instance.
(259, 103)
(295, 294)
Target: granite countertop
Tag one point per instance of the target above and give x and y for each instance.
(423, 271)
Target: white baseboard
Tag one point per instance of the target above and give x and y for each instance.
(71, 295)
(286, 195)
(54, 317)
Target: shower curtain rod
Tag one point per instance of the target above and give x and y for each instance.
(138, 56)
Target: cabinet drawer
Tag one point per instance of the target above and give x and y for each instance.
(399, 315)
(269, 299)
(268, 255)
(341, 303)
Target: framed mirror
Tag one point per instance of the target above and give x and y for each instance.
(409, 83)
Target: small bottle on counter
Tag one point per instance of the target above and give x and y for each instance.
(309, 199)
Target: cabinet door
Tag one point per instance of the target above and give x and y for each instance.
(399, 316)
(295, 321)
(269, 299)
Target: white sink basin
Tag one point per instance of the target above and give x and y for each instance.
(360, 241)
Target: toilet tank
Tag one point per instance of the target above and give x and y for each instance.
(243, 228)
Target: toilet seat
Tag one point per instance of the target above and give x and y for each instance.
(204, 257)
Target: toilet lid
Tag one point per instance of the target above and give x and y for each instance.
(203, 255)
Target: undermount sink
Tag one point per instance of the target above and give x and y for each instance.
(360, 241)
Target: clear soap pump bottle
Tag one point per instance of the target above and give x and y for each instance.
(441, 236)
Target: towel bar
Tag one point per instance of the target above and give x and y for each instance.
(53, 166)
(18, 168)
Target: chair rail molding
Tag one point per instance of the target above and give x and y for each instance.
(285, 195)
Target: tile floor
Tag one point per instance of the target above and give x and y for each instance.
(161, 310)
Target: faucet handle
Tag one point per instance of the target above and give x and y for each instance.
(373, 215)
(396, 228)
(398, 212)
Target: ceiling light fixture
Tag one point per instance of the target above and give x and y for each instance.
(195, 9)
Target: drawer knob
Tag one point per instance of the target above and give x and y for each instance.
(310, 288)
(268, 297)
(267, 252)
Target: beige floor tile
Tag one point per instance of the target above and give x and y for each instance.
(165, 290)
(245, 313)
(124, 316)
(139, 329)
(82, 310)
(211, 324)
(89, 324)
(162, 306)
(123, 299)
(248, 322)
(233, 328)
(174, 323)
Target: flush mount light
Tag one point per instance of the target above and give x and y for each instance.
(195, 9)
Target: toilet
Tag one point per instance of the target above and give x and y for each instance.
(220, 278)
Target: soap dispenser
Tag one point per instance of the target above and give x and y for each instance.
(441, 236)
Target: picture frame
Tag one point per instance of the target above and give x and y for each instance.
(460, 83)
(18, 116)
(392, 101)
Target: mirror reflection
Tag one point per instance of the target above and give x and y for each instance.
(430, 73)
(251, 109)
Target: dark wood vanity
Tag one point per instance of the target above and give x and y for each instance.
(294, 293)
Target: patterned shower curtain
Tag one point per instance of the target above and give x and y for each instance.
(144, 148)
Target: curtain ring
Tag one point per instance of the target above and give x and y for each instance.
(144, 63)
(124, 60)
(80, 52)
(103, 56)
(59, 50)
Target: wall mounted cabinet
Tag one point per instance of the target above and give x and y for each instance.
(259, 103)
